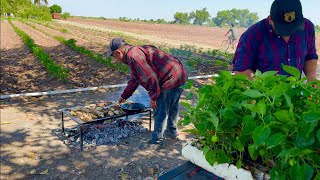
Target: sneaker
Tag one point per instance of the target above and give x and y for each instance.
(152, 144)
(159, 141)
(172, 136)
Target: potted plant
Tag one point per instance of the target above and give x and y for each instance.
(55, 11)
(270, 123)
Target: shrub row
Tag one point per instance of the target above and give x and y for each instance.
(97, 57)
(52, 67)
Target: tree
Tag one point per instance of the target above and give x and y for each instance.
(239, 17)
(200, 16)
(181, 18)
(55, 9)
(317, 28)
(38, 2)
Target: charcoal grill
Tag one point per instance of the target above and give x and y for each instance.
(81, 124)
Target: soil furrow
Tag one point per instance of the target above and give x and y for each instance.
(90, 44)
(21, 71)
(84, 72)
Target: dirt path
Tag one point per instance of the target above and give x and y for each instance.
(93, 43)
(31, 140)
(20, 70)
(84, 72)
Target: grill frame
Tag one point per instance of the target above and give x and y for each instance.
(81, 124)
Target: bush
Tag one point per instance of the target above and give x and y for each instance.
(271, 120)
(65, 15)
(55, 9)
(317, 28)
(41, 13)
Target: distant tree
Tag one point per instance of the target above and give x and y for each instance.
(55, 9)
(239, 17)
(181, 18)
(200, 16)
(317, 28)
(38, 2)
(161, 21)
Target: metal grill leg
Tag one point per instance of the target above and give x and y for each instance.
(150, 121)
(81, 138)
(62, 122)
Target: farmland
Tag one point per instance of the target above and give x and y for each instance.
(58, 55)
(86, 65)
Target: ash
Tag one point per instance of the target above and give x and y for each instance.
(108, 133)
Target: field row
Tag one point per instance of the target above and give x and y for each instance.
(81, 51)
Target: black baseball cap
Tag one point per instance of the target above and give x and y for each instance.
(115, 44)
(287, 16)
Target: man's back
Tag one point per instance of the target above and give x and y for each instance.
(169, 70)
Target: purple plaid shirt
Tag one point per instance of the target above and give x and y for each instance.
(262, 49)
(153, 69)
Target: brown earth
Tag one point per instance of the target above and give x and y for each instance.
(32, 142)
(84, 72)
(205, 36)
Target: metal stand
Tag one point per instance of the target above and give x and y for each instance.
(82, 124)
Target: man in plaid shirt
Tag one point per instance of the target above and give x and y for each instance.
(285, 37)
(160, 74)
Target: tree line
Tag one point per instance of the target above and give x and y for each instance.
(238, 17)
(37, 9)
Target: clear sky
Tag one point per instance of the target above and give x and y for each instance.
(148, 9)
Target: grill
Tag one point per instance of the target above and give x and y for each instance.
(81, 124)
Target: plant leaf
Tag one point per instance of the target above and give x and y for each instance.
(318, 135)
(252, 93)
(211, 157)
(288, 99)
(282, 115)
(291, 70)
(311, 116)
(185, 104)
(222, 157)
(260, 135)
(261, 107)
(205, 149)
(238, 145)
(275, 140)
(214, 119)
(253, 152)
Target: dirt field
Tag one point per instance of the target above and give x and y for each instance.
(204, 36)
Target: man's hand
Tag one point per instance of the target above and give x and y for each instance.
(153, 104)
(247, 72)
(121, 100)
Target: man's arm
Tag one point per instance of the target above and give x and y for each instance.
(310, 69)
(247, 72)
(228, 32)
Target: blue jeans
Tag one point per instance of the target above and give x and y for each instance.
(167, 113)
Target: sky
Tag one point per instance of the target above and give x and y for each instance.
(165, 9)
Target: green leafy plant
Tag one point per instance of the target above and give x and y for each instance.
(55, 9)
(65, 15)
(64, 30)
(53, 68)
(97, 57)
(273, 118)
